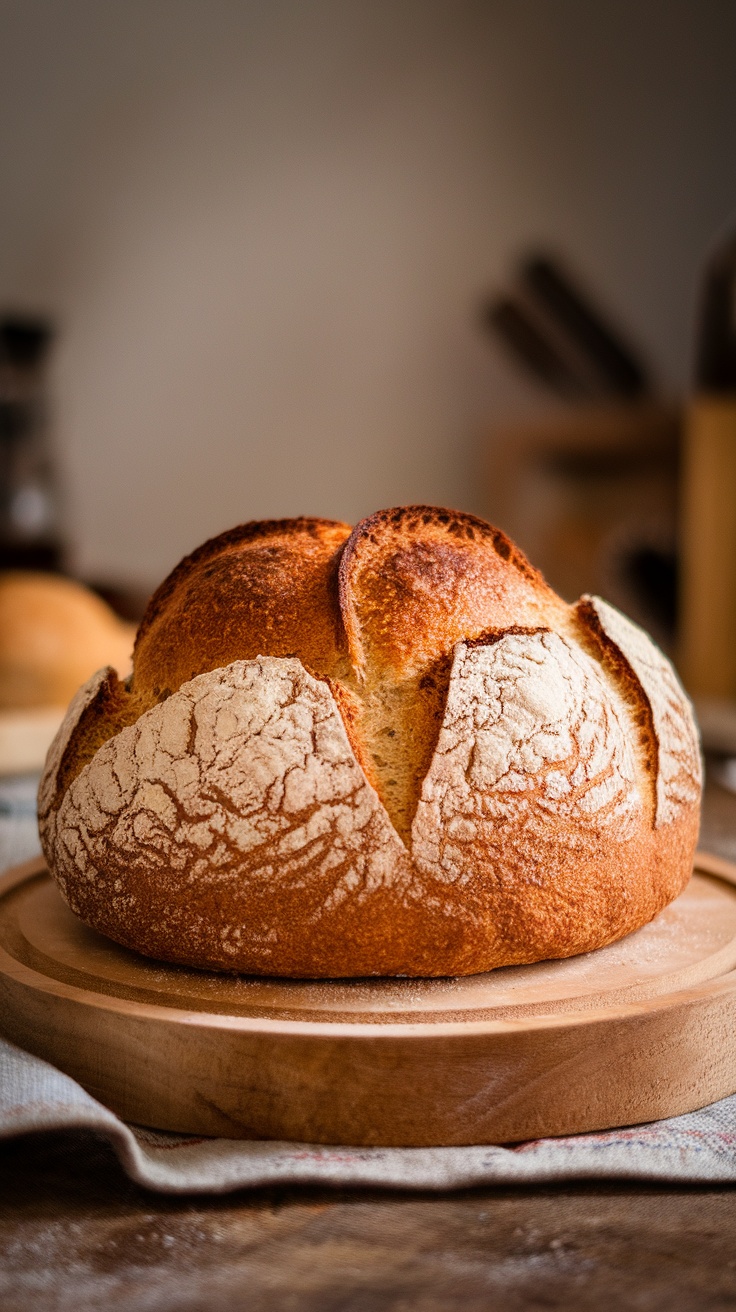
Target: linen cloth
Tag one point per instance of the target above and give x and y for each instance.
(697, 1148)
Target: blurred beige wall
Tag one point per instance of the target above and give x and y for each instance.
(264, 228)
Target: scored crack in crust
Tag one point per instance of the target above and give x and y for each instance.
(679, 772)
(443, 770)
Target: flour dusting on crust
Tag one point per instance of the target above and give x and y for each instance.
(679, 776)
(242, 779)
(532, 745)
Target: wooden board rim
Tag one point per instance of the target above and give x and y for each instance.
(704, 862)
(418, 1084)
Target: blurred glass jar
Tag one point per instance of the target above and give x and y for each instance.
(30, 535)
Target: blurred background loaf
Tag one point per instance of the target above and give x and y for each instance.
(54, 633)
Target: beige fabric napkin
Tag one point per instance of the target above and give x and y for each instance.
(697, 1148)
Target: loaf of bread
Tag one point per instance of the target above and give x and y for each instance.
(379, 751)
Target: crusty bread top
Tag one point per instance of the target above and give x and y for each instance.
(535, 765)
(377, 612)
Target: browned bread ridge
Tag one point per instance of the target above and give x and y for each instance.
(391, 750)
(261, 588)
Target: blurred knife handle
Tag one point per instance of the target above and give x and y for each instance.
(708, 596)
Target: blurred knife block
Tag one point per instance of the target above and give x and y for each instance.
(591, 495)
(708, 597)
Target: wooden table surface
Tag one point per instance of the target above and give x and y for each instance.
(77, 1236)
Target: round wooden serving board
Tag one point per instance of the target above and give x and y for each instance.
(643, 1029)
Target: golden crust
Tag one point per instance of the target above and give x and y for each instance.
(413, 582)
(391, 751)
(416, 580)
(264, 588)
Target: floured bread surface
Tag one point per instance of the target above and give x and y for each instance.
(233, 818)
(533, 777)
(521, 782)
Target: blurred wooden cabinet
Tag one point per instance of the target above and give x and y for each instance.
(708, 628)
(591, 495)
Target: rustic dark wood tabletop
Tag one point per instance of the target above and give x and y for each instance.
(77, 1236)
